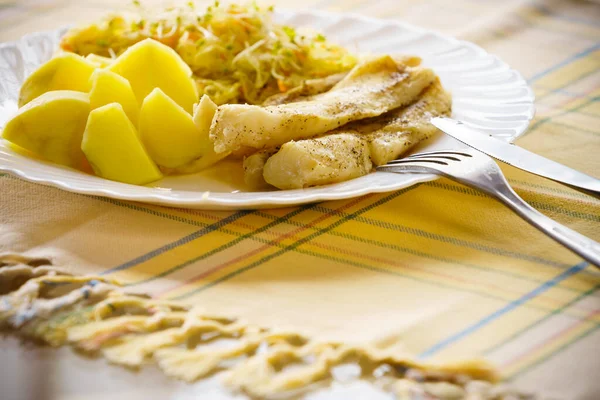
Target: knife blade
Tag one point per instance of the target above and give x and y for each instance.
(517, 156)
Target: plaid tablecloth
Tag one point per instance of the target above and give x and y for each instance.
(441, 269)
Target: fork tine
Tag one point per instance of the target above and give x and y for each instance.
(419, 156)
(451, 153)
(417, 160)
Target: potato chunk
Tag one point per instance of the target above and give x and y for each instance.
(66, 71)
(203, 116)
(108, 87)
(150, 64)
(51, 126)
(329, 159)
(99, 61)
(113, 147)
(168, 132)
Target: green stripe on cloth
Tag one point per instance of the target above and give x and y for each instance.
(177, 243)
(300, 242)
(227, 245)
(452, 240)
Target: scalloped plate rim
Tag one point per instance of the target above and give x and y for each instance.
(236, 201)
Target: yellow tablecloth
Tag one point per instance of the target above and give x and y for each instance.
(439, 269)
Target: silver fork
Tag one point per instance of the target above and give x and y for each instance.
(475, 169)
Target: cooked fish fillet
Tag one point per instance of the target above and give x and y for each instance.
(350, 151)
(394, 133)
(254, 166)
(328, 159)
(409, 61)
(312, 87)
(370, 89)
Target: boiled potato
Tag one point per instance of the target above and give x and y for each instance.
(99, 61)
(150, 64)
(51, 126)
(108, 87)
(113, 147)
(66, 71)
(203, 116)
(168, 132)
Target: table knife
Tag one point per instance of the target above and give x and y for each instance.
(517, 156)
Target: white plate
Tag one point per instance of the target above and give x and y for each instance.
(486, 94)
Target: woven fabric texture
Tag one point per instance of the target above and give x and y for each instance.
(441, 270)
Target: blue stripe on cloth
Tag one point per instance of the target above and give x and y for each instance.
(564, 62)
(207, 229)
(504, 310)
(549, 12)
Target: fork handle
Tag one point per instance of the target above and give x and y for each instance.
(579, 244)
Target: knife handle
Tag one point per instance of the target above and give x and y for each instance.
(583, 246)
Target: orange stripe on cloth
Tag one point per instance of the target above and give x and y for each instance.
(252, 253)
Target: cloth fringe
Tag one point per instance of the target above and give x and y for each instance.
(94, 315)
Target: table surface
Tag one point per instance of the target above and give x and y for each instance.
(556, 46)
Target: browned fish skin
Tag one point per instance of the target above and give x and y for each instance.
(370, 89)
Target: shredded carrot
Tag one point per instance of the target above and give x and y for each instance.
(228, 47)
(281, 85)
(193, 35)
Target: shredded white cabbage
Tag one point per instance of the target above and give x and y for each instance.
(238, 54)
